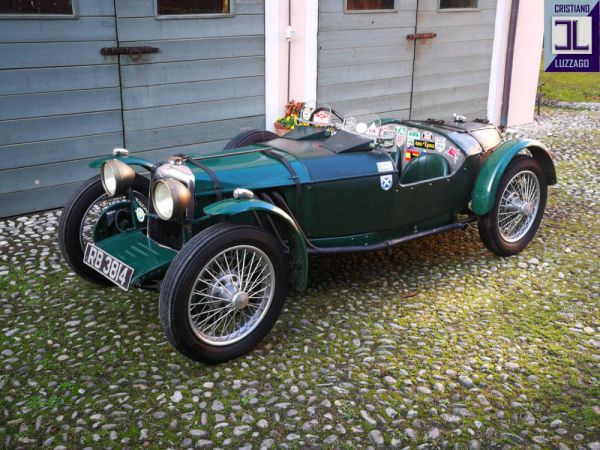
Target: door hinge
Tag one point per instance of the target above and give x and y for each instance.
(133, 52)
(415, 36)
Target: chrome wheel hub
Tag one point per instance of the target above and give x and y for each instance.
(240, 300)
(231, 295)
(519, 205)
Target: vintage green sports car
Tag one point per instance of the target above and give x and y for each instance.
(224, 236)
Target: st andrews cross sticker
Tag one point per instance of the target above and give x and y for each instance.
(571, 35)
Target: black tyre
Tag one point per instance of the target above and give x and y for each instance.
(518, 208)
(80, 214)
(250, 137)
(223, 292)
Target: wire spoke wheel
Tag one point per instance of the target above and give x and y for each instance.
(101, 204)
(518, 206)
(231, 295)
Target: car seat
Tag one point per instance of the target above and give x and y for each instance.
(426, 167)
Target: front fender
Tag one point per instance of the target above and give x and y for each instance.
(131, 160)
(486, 185)
(299, 256)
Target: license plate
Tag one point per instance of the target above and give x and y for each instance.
(116, 271)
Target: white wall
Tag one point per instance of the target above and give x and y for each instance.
(498, 61)
(526, 62)
(276, 60)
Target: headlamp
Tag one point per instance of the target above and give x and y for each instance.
(170, 198)
(117, 177)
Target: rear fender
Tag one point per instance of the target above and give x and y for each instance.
(491, 173)
(131, 160)
(299, 255)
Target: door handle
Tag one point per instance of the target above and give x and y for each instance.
(133, 52)
(416, 36)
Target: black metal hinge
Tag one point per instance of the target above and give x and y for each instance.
(133, 52)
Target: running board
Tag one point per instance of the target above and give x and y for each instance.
(314, 250)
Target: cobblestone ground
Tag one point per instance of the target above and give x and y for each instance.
(433, 344)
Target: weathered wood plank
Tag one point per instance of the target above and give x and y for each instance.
(135, 8)
(58, 103)
(328, 6)
(191, 134)
(139, 29)
(54, 54)
(433, 50)
(365, 21)
(470, 33)
(145, 8)
(47, 152)
(364, 89)
(149, 118)
(163, 73)
(96, 8)
(372, 105)
(471, 109)
(382, 54)
(33, 30)
(192, 92)
(56, 127)
(355, 73)
(365, 38)
(202, 148)
(22, 81)
(451, 95)
(35, 200)
(198, 49)
(35, 177)
(401, 114)
(430, 19)
(454, 65)
(432, 5)
(450, 80)
(66, 172)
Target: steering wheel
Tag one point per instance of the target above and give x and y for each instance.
(323, 108)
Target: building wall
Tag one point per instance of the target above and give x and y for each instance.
(63, 103)
(59, 104)
(526, 62)
(365, 62)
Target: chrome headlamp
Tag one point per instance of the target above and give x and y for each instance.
(116, 177)
(170, 198)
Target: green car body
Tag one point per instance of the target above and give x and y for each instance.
(316, 200)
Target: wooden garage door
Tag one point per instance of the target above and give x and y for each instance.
(63, 103)
(205, 84)
(366, 64)
(452, 70)
(60, 99)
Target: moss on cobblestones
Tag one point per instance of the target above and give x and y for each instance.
(437, 342)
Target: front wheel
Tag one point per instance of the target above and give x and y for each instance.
(518, 208)
(91, 215)
(223, 292)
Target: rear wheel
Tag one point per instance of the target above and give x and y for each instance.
(223, 292)
(81, 214)
(518, 208)
(250, 137)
